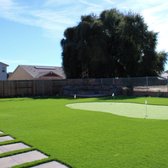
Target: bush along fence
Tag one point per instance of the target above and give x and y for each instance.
(141, 86)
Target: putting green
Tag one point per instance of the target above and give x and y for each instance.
(125, 109)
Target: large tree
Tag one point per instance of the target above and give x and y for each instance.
(111, 45)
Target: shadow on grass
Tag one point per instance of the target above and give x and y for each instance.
(35, 98)
(69, 98)
(94, 97)
(117, 98)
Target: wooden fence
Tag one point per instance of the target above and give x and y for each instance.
(151, 86)
(31, 88)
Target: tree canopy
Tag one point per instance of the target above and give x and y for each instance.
(112, 44)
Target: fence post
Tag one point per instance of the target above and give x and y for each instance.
(3, 89)
(167, 85)
(101, 83)
(147, 85)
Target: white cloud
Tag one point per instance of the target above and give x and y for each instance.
(54, 16)
(90, 4)
(109, 1)
(58, 2)
(6, 4)
(46, 19)
(156, 17)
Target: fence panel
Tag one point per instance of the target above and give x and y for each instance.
(141, 86)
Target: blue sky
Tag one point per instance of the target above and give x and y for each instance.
(31, 30)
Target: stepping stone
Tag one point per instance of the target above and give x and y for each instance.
(12, 147)
(6, 138)
(10, 161)
(1, 132)
(52, 164)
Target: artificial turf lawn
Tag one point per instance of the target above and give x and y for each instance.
(125, 109)
(87, 139)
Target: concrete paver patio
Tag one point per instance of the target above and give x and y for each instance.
(6, 138)
(26, 157)
(8, 162)
(12, 147)
(52, 164)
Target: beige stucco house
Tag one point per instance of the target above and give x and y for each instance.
(3, 71)
(33, 72)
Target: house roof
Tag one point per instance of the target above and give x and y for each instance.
(39, 71)
(4, 64)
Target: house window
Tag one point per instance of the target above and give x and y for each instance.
(3, 69)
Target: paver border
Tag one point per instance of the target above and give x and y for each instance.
(8, 148)
(13, 138)
(45, 164)
(30, 156)
(51, 160)
(11, 153)
(1, 132)
(19, 152)
(31, 148)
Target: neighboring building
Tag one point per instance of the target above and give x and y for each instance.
(31, 72)
(3, 71)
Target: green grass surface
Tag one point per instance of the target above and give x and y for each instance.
(133, 110)
(87, 139)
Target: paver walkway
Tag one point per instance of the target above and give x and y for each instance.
(25, 157)
(52, 164)
(6, 138)
(12, 147)
(7, 162)
(1, 132)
